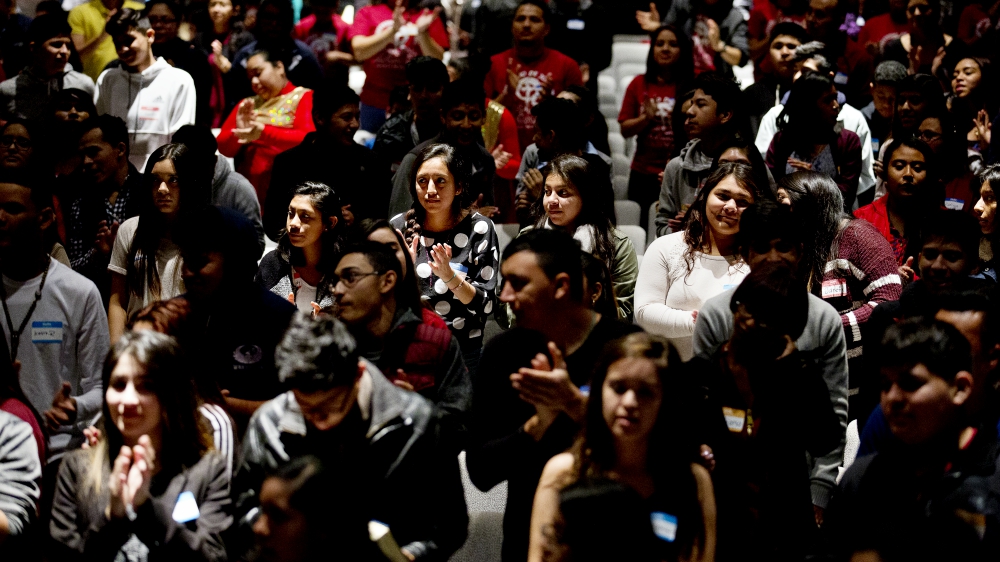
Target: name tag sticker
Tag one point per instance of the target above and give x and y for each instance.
(875, 146)
(664, 525)
(46, 332)
(735, 419)
(186, 508)
(576, 24)
(954, 204)
(840, 78)
(834, 288)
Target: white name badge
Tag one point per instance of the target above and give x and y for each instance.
(834, 288)
(46, 332)
(735, 419)
(664, 525)
(186, 508)
(953, 204)
(576, 24)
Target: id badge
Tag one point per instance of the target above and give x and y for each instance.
(953, 204)
(46, 332)
(834, 288)
(664, 525)
(186, 508)
(576, 24)
(735, 419)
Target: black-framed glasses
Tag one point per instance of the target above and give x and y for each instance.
(350, 277)
(22, 143)
(929, 136)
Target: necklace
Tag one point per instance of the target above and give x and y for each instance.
(15, 336)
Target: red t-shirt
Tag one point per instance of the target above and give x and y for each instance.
(656, 143)
(321, 43)
(387, 69)
(764, 17)
(559, 70)
(879, 31)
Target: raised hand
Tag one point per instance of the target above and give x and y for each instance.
(500, 156)
(534, 182)
(440, 262)
(549, 387)
(649, 109)
(131, 474)
(648, 21)
(398, 20)
(63, 410)
(906, 273)
(984, 129)
(106, 236)
(248, 129)
(426, 19)
(513, 79)
(412, 247)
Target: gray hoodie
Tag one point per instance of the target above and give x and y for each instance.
(27, 96)
(20, 473)
(233, 191)
(682, 179)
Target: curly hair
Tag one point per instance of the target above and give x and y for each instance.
(317, 354)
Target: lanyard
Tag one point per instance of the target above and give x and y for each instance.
(15, 336)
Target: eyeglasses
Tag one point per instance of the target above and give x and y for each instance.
(22, 143)
(350, 277)
(929, 136)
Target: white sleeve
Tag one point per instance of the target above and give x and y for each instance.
(102, 104)
(651, 288)
(185, 102)
(768, 128)
(867, 179)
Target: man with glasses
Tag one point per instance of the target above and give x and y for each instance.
(385, 440)
(410, 344)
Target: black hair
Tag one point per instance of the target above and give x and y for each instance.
(727, 97)
(557, 252)
(765, 221)
(113, 129)
(317, 354)
(408, 288)
(46, 27)
(790, 29)
(596, 271)
(563, 117)
(696, 220)
(991, 175)
(174, 8)
(761, 176)
(461, 171)
(203, 145)
(775, 297)
(126, 21)
(38, 184)
(954, 226)
(929, 89)
(541, 5)
(50, 7)
(930, 159)
(380, 256)
(330, 97)
(286, 14)
(272, 54)
(427, 72)
(463, 91)
(936, 345)
(195, 193)
(328, 204)
(817, 207)
(798, 119)
(889, 73)
(815, 51)
(953, 158)
(219, 229)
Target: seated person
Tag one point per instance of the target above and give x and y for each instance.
(342, 410)
(427, 77)
(407, 342)
(927, 497)
(21, 474)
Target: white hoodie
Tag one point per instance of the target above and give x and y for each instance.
(154, 103)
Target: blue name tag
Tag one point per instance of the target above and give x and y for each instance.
(46, 332)
(954, 204)
(664, 525)
(728, 286)
(576, 24)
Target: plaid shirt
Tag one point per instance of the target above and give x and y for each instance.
(83, 220)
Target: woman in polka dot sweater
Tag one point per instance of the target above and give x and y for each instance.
(455, 249)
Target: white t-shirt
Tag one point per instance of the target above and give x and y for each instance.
(65, 340)
(168, 267)
(305, 295)
(666, 294)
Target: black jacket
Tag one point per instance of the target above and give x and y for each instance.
(396, 454)
(352, 171)
(395, 138)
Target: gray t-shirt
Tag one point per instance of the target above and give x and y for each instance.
(168, 267)
(65, 340)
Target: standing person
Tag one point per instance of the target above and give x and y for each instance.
(766, 399)
(777, 71)
(529, 72)
(277, 118)
(329, 155)
(426, 78)
(718, 28)
(626, 440)
(112, 194)
(682, 270)
(28, 95)
(572, 201)
(527, 402)
(970, 103)
(455, 249)
(808, 138)
(581, 31)
(222, 41)
(881, 111)
(325, 32)
(912, 192)
(90, 39)
(385, 38)
(884, 28)
(145, 262)
(957, 161)
(647, 113)
(154, 458)
(158, 98)
(300, 269)
(849, 265)
(165, 17)
(852, 64)
(923, 46)
(986, 212)
(62, 350)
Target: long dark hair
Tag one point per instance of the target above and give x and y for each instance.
(153, 226)
(460, 170)
(798, 118)
(930, 194)
(761, 177)
(682, 71)
(327, 203)
(596, 271)
(954, 154)
(670, 452)
(981, 97)
(696, 220)
(595, 197)
(991, 175)
(817, 205)
(408, 292)
(186, 437)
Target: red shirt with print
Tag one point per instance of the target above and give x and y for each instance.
(558, 70)
(387, 69)
(655, 144)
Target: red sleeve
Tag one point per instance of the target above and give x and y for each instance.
(757, 25)
(493, 86)
(508, 138)
(863, 36)
(631, 102)
(301, 30)
(771, 155)
(362, 25)
(438, 33)
(850, 165)
(284, 138)
(229, 145)
(573, 75)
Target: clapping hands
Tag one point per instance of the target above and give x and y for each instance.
(131, 474)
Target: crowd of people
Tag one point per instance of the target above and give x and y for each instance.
(253, 314)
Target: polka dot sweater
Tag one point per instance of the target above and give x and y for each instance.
(475, 257)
